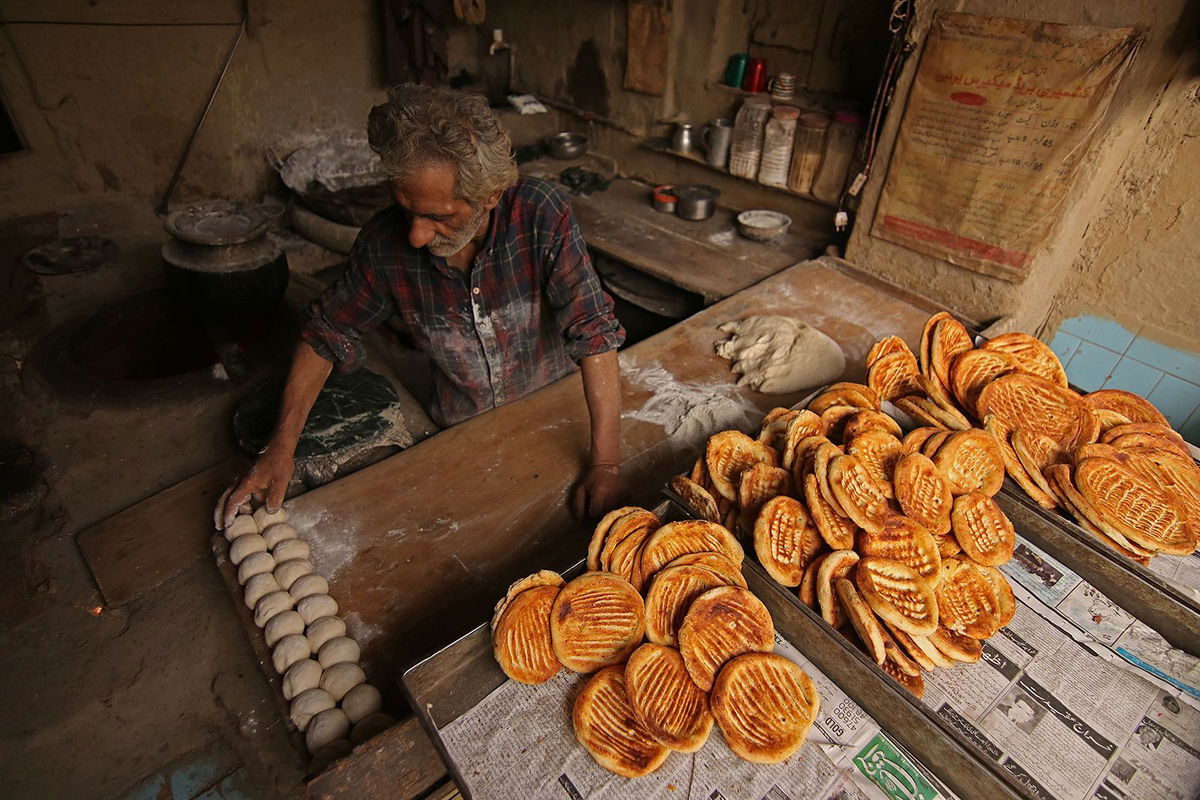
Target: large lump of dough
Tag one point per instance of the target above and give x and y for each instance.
(780, 355)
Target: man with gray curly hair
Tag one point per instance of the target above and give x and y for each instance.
(484, 271)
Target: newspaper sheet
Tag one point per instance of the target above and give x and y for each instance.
(1057, 704)
(519, 743)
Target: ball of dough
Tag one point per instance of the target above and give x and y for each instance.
(307, 586)
(778, 355)
(259, 587)
(316, 606)
(279, 532)
(307, 705)
(371, 725)
(341, 650)
(255, 564)
(322, 630)
(242, 524)
(288, 651)
(269, 606)
(246, 545)
(288, 571)
(285, 623)
(326, 727)
(265, 518)
(361, 702)
(291, 548)
(341, 678)
(300, 677)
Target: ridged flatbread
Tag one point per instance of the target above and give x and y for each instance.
(885, 347)
(774, 425)
(1012, 463)
(835, 418)
(867, 420)
(948, 341)
(913, 683)
(822, 456)
(670, 596)
(1129, 405)
(911, 648)
(894, 376)
(898, 594)
(1032, 354)
(543, 577)
(982, 530)
(837, 564)
(1060, 477)
(1136, 508)
(808, 586)
(607, 727)
(915, 439)
(765, 705)
(975, 369)
(924, 353)
(720, 624)
(965, 599)
(878, 451)
(1026, 402)
(676, 539)
(845, 393)
(597, 620)
(862, 619)
(1036, 453)
(923, 493)
(717, 562)
(971, 462)
(956, 646)
(803, 426)
(699, 501)
(858, 492)
(785, 540)
(728, 454)
(521, 639)
(666, 702)
(903, 539)
(760, 483)
(600, 533)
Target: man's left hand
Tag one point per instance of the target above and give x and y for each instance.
(600, 489)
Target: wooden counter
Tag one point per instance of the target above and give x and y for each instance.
(419, 546)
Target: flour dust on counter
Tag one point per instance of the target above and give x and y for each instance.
(686, 410)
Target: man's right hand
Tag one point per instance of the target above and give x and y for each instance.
(267, 482)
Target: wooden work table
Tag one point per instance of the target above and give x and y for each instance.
(708, 257)
(418, 547)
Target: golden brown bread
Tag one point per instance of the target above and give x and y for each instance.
(666, 701)
(860, 494)
(862, 619)
(543, 577)
(837, 531)
(606, 725)
(971, 462)
(898, 594)
(597, 620)
(671, 594)
(1032, 354)
(720, 624)
(1129, 405)
(785, 540)
(903, 539)
(677, 539)
(983, 530)
(600, 533)
(699, 501)
(966, 600)
(838, 564)
(923, 493)
(521, 638)
(728, 454)
(765, 705)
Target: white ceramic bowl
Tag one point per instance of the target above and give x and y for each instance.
(761, 225)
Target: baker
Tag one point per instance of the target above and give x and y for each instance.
(486, 272)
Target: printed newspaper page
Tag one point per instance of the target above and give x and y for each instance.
(519, 743)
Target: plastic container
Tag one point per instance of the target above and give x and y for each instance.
(807, 151)
(840, 141)
(748, 131)
(777, 146)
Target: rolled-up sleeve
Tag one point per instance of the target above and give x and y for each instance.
(352, 305)
(584, 310)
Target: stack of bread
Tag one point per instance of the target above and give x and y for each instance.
(331, 702)
(674, 638)
(1109, 458)
(899, 539)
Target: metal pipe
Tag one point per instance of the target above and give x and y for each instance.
(162, 207)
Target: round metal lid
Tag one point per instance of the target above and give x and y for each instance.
(218, 222)
(697, 191)
(73, 254)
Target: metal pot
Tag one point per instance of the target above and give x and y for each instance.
(696, 201)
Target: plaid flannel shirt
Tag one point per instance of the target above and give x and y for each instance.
(530, 308)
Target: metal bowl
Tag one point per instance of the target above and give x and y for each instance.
(761, 225)
(566, 145)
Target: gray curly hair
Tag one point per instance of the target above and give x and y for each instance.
(423, 125)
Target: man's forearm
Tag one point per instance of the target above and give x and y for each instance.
(602, 390)
(305, 379)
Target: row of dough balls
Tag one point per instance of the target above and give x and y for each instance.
(331, 702)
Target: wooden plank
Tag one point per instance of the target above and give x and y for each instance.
(146, 544)
(418, 547)
(398, 764)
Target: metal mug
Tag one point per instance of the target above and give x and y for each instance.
(716, 138)
(684, 140)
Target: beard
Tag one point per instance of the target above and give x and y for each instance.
(446, 246)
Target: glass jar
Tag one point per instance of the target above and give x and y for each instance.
(807, 151)
(840, 141)
(748, 131)
(777, 146)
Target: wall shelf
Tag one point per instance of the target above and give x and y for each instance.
(696, 158)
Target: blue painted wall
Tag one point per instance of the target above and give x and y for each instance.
(1101, 354)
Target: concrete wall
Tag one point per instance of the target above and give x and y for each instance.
(1121, 199)
(109, 108)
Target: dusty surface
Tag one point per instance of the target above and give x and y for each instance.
(131, 691)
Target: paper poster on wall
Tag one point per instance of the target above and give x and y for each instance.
(1001, 114)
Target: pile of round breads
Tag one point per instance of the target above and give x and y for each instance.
(1109, 459)
(674, 638)
(331, 702)
(897, 538)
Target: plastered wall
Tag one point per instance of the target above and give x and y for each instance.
(1095, 258)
